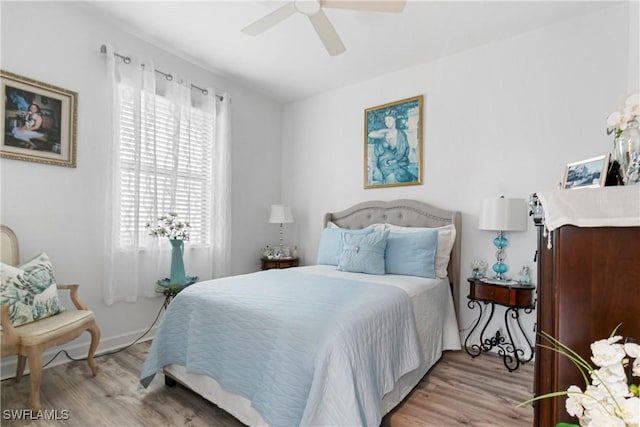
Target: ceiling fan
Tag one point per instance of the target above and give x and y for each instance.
(319, 20)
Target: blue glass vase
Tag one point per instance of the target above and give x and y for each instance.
(178, 277)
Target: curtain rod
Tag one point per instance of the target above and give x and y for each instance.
(127, 60)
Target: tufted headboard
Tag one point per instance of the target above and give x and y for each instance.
(406, 213)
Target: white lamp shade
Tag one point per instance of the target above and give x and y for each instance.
(503, 215)
(280, 214)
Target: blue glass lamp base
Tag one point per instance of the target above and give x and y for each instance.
(500, 242)
(500, 268)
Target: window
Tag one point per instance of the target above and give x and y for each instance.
(164, 173)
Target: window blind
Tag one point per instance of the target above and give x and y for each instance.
(174, 171)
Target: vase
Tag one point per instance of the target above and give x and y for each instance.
(178, 277)
(627, 153)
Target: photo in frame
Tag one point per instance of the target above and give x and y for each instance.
(393, 144)
(589, 173)
(39, 121)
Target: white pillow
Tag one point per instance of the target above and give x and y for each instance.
(374, 227)
(446, 238)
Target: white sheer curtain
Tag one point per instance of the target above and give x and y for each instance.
(154, 123)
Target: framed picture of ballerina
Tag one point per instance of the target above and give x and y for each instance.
(40, 121)
(393, 144)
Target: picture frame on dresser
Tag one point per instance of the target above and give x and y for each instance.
(589, 173)
(39, 121)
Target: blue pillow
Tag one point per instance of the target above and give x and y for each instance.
(364, 254)
(330, 247)
(412, 254)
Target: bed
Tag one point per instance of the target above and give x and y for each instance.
(346, 347)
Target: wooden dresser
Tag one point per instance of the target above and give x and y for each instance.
(588, 283)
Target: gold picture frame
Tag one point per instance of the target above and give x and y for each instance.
(393, 144)
(589, 173)
(39, 121)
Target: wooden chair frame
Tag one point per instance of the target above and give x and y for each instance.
(26, 343)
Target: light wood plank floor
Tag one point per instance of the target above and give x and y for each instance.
(459, 390)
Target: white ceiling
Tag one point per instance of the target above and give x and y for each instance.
(288, 62)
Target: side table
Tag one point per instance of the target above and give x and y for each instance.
(170, 291)
(267, 264)
(515, 298)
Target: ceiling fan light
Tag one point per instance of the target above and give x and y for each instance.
(307, 7)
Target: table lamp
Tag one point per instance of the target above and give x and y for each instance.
(502, 215)
(280, 214)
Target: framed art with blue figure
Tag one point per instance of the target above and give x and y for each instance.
(393, 144)
(39, 121)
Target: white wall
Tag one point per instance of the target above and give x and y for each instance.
(501, 119)
(60, 210)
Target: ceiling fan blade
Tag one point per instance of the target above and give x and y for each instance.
(268, 21)
(327, 33)
(367, 5)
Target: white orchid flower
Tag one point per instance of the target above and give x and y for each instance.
(573, 404)
(607, 352)
(614, 120)
(609, 374)
(633, 101)
(631, 411)
(619, 120)
(594, 397)
(600, 417)
(632, 349)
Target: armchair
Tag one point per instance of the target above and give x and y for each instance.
(29, 340)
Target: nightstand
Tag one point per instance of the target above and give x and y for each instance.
(170, 291)
(515, 297)
(267, 264)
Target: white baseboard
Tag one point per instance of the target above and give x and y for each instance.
(77, 349)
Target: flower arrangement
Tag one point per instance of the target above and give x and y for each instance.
(478, 268)
(619, 120)
(169, 226)
(611, 399)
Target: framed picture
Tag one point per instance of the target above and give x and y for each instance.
(586, 173)
(39, 123)
(393, 144)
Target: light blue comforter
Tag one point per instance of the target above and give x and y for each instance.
(304, 349)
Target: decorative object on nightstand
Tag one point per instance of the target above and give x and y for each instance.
(524, 277)
(502, 215)
(267, 252)
(483, 292)
(478, 268)
(281, 214)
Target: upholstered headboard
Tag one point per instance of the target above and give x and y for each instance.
(406, 213)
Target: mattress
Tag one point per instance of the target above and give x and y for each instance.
(436, 326)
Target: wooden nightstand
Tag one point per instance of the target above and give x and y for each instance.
(514, 297)
(267, 263)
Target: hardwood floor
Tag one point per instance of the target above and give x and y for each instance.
(459, 390)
